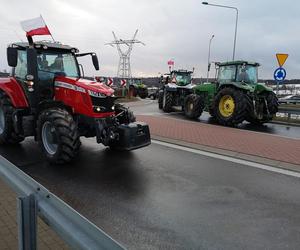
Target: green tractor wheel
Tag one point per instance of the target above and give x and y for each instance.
(230, 106)
(193, 106)
(167, 101)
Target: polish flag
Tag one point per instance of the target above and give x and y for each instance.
(171, 62)
(35, 26)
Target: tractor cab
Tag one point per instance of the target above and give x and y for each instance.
(181, 77)
(241, 72)
(36, 65)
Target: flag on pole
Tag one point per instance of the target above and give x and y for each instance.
(35, 26)
(171, 62)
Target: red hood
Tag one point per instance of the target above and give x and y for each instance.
(87, 84)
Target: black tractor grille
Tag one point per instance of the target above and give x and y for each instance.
(105, 103)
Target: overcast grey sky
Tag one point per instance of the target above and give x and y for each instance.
(170, 28)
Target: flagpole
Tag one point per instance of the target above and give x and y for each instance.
(47, 26)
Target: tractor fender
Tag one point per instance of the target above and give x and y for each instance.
(53, 104)
(260, 87)
(14, 90)
(171, 87)
(240, 86)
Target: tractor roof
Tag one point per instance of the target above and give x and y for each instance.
(46, 45)
(182, 71)
(237, 63)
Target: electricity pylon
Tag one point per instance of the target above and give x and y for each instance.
(124, 68)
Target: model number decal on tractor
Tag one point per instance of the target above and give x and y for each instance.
(96, 94)
(69, 86)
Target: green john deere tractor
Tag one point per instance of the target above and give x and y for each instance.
(176, 87)
(235, 96)
(138, 88)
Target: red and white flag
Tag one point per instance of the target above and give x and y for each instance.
(171, 62)
(35, 26)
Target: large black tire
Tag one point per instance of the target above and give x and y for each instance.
(58, 135)
(7, 133)
(167, 101)
(124, 114)
(272, 103)
(238, 111)
(143, 92)
(160, 99)
(193, 106)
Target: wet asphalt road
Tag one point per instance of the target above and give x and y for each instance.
(164, 198)
(150, 107)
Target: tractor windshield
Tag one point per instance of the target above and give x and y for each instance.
(247, 74)
(57, 63)
(238, 73)
(227, 73)
(183, 78)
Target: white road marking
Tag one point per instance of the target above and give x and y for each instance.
(229, 158)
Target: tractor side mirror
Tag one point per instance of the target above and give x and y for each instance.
(95, 61)
(32, 62)
(12, 57)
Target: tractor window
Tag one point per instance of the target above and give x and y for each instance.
(247, 74)
(57, 63)
(21, 68)
(227, 74)
(183, 78)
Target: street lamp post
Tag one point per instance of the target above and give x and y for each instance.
(236, 22)
(208, 60)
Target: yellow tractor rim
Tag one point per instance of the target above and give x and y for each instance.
(226, 106)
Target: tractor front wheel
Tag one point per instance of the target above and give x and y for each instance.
(230, 106)
(160, 99)
(7, 133)
(269, 111)
(167, 101)
(58, 136)
(193, 106)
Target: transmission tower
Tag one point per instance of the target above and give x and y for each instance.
(124, 69)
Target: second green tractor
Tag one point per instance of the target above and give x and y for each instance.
(234, 97)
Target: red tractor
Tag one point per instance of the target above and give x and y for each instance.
(47, 97)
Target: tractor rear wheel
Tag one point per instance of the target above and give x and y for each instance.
(160, 99)
(58, 135)
(193, 106)
(7, 133)
(167, 101)
(230, 106)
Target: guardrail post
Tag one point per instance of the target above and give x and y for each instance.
(27, 222)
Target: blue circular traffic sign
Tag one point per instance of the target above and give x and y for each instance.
(279, 74)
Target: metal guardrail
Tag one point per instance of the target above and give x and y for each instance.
(34, 199)
(289, 110)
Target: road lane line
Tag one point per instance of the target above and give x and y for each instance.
(228, 158)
